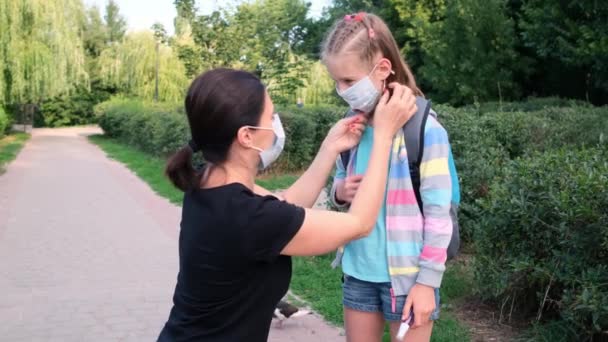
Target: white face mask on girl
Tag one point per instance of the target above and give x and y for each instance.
(361, 96)
(271, 154)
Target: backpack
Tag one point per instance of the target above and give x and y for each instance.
(413, 131)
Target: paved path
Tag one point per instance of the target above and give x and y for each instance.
(88, 252)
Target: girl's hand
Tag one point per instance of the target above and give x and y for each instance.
(345, 134)
(346, 192)
(391, 114)
(422, 299)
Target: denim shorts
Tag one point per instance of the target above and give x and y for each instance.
(366, 296)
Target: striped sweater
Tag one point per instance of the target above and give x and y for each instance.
(416, 244)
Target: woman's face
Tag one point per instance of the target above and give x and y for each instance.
(264, 138)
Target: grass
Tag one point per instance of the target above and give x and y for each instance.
(10, 146)
(277, 181)
(151, 169)
(313, 279)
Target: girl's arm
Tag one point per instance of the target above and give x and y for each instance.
(436, 194)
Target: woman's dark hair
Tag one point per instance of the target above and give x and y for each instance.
(219, 102)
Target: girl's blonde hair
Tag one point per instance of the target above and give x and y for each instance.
(366, 35)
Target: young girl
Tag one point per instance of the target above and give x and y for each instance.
(396, 271)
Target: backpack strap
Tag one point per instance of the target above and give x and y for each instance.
(414, 138)
(414, 143)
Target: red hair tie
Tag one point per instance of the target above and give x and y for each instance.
(359, 16)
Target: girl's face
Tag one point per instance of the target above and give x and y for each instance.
(348, 68)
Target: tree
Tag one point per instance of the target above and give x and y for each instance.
(470, 54)
(160, 33)
(94, 32)
(116, 23)
(94, 37)
(186, 9)
(130, 66)
(569, 39)
(186, 13)
(271, 47)
(418, 17)
(41, 50)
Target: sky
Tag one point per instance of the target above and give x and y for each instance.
(141, 14)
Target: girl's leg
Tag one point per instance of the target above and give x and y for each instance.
(363, 326)
(363, 317)
(422, 334)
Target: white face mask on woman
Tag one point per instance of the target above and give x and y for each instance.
(271, 154)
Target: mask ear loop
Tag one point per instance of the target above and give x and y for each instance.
(384, 81)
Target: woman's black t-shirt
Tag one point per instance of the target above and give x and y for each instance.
(231, 273)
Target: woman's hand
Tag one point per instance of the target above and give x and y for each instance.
(392, 113)
(345, 134)
(422, 299)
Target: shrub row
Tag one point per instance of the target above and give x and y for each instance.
(4, 122)
(542, 241)
(161, 129)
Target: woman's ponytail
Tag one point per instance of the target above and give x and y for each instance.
(180, 170)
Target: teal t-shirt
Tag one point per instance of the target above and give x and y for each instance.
(365, 258)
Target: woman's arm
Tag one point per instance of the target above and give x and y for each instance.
(324, 231)
(344, 135)
(305, 191)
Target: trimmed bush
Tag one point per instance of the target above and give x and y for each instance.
(4, 122)
(156, 128)
(522, 133)
(542, 241)
(531, 104)
(324, 117)
(161, 128)
(483, 143)
(69, 110)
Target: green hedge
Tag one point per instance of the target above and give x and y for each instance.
(4, 122)
(531, 104)
(162, 128)
(544, 232)
(158, 129)
(484, 142)
(70, 109)
(305, 129)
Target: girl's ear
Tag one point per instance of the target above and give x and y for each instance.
(385, 68)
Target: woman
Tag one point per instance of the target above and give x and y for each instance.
(236, 239)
